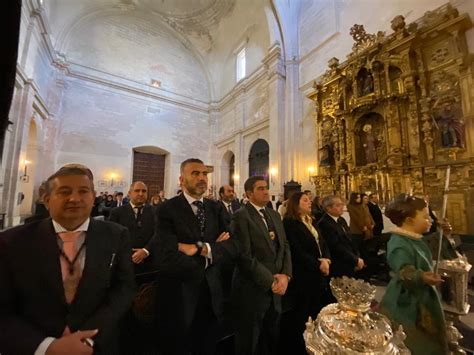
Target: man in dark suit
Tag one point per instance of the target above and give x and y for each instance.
(192, 244)
(262, 273)
(228, 202)
(66, 281)
(376, 213)
(344, 253)
(139, 219)
(119, 201)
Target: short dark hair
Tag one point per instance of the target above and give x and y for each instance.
(293, 206)
(372, 195)
(79, 166)
(402, 207)
(250, 182)
(189, 161)
(221, 191)
(353, 198)
(67, 171)
(119, 193)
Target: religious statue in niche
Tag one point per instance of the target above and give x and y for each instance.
(365, 82)
(450, 123)
(326, 155)
(326, 152)
(370, 143)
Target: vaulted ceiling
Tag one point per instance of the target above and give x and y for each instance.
(207, 30)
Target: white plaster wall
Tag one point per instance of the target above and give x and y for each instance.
(247, 24)
(128, 45)
(101, 126)
(324, 26)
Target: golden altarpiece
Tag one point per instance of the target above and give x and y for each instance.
(398, 111)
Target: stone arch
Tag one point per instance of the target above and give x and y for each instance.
(259, 158)
(228, 168)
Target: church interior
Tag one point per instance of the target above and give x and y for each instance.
(336, 96)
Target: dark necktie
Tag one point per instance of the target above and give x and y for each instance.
(200, 216)
(342, 222)
(138, 215)
(271, 228)
(229, 208)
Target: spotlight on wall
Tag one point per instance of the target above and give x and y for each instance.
(236, 177)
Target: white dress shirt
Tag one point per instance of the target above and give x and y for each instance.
(44, 345)
(190, 200)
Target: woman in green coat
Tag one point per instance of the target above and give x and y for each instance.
(411, 298)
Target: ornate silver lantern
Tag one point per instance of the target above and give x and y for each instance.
(350, 327)
(455, 273)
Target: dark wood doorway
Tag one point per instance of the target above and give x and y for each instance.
(149, 168)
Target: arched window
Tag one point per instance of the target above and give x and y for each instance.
(259, 158)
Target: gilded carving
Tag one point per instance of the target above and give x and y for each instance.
(390, 118)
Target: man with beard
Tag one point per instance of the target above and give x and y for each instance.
(192, 244)
(228, 202)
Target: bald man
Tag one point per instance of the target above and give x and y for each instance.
(139, 218)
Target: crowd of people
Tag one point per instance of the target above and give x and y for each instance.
(192, 275)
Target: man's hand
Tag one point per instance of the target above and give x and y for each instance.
(360, 264)
(324, 267)
(188, 249)
(280, 284)
(430, 278)
(72, 344)
(223, 236)
(138, 255)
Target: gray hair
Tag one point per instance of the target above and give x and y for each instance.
(328, 201)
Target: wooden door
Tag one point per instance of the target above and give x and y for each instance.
(149, 168)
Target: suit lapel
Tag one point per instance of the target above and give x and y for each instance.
(210, 219)
(130, 212)
(51, 263)
(307, 233)
(189, 216)
(255, 215)
(278, 225)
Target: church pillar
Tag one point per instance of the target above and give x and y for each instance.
(276, 102)
(21, 113)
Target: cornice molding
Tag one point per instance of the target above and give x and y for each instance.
(251, 129)
(92, 75)
(258, 76)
